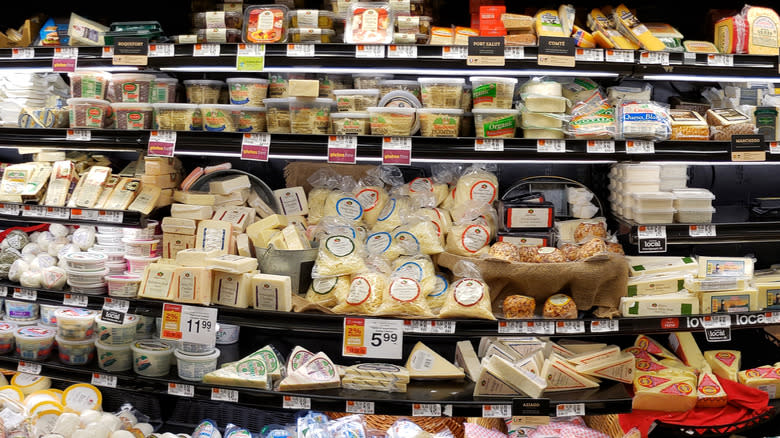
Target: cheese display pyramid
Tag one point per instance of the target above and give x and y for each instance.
(426, 364)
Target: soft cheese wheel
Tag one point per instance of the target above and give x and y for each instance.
(373, 200)
(404, 297)
(469, 298)
(479, 185)
(338, 255)
(328, 291)
(468, 240)
(366, 291)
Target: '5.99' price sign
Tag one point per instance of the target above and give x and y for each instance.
(373, 338)
(189, 324)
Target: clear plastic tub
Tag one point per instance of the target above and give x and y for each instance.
(247, 91)
(111, 333)
(48, 314)
(669, 184)
(89, 113)
(203, 91)
(364, 81)
(193, 367)
(389, 85)
(439, 122)
(164, 90)
(392, 121)
(75, 352)
(217, 36)
(492, 92)
(495, 123)
(652, 200)
(146, 233)
(114, 357)
(687, 199)
(20, 310)
(310, 35)
(265, 24)
(151, 358)
(356, 100)
(252, 119)
(34, 342)
(195, 348)
(75, 324)
(109, 230)
(123, 286)
(113, 256)
(642, 171)
(694, 215)
(310, 115)
(109, 239)
(86, 261)
(641, 185)
(176, 117)
(441, 92)
(131, 87)
(350, 123)
(88, 84)
(7, 330)
(227, 334)
(674, 171)
(217, 20)
(220, 118)
(652, 216)
(145, 328)
(136, 265)
(311, 18)
(277, 115)
(86, 279)
(133, 116)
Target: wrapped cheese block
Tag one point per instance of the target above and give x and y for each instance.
(373, 199)
(328, 291)
(366, 292)
(468, 239)
(476, 184)
(338, 255)
(519, 307)
(404, 297)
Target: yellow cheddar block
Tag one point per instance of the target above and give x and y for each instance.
(548, 23)
(630, 27)
(763, 29)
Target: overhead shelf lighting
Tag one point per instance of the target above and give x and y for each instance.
(707, 78)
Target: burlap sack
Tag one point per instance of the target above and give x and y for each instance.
(598, 283)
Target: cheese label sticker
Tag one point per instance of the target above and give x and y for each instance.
(405, 290)
(387, 210)
(411, 270)
(300, 358)
(251, 368)
(708, 386)
(651, 381)
(474, 238)
(368, 198)
(725, 268)
(421, 185)
(349, 208)
(340, 246)
(378, 243)
(359, 291)
(648, 365)
(468, 292)
(726, 357)
(324, 286)
(320, 369)
(422, 361)
(483, 191)
(678, 389)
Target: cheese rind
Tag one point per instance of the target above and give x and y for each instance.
(710, 392)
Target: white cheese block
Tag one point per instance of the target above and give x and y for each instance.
(725, 266)
(239, 217)
(214, 235)
(195, 257)
(146, 200)
(292, 201)
(656, 284)
(730, 301)
(523, 381)
(563, 377)
(545, 104)
(243, 246)
(232, 263)
(157, 281)
(191, 285)
(179, 225)
(466, 358)
(489, 382)
(530, 365)
(499, 349)
(195, 212)
(166, 181)
(682, 303)
(123, 194)
(230, 185)
(271, 292)
(230, 289)
(247, 373)
(425, 364)
(619, 368)
(318, 373)
(293, 238)
(644, 265)
(544, 88)
(194, 198)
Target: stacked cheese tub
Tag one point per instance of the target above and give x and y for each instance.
(544, 109)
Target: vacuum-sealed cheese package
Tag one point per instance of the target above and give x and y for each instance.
(344, 205)
(328, 291)
(404, 297)
(338, 255)
(476, 183)
(366, 292)
(469, 296)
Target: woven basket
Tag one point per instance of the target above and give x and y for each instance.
(608, 424)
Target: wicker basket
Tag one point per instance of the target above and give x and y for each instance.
(429, 424)
(608, 424)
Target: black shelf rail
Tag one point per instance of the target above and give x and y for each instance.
(726, 232)
(17, 212)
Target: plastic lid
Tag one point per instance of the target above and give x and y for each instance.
(652, 196)
(693, 194)
(698, 210)
(60, 340)
(247, 109)
(247, 80)
(453, 81)
(77, 273)
(132, 77)
(204, 82)
(305, 100)
(75, 313)
(392, 109)
(128, 105)
(276, 101)
(174, 106)
(94, 257)
(320, 12)
(492, 79)
(89, 73)
(213, 355)
(495, 111)
(35, 332)
(166, 80)
(652, 210)
(643, 167)
(129, 320)
(454, 111)
(372, 76)
(392, 82)
(356, 91)
(312, 31)
(78, 100)
(220, 106)
(8, 327)
(640, 180)
(151, 345)
(350, 115)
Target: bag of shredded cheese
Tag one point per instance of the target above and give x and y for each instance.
(328, 291)
(477, 212)
(419, 267)
(338, 255)
(438, 296)
(469, 239)
(440, 218)
(476, 183)
(322, 182)
(381, 244)
(366, 292)
(392, 214)
(404, 297)
(469, 296)
(373, 199)
(418, 235)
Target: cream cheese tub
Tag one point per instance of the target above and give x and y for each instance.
(111, 333)
(75, 352)
(34, 342)
(75, 324)
(194, 367)
(7, 330)
(114, 357)
(151, 358)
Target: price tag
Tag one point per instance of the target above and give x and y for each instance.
(111, 216)
(429, 326)
(454, 52)
(3, 291)
(601, 147)
(25, 294)
(426, 410)
(83, 215)
(157, 50)
(10, 209)
(402, 51)
(507, 327)
(613, 55)
(640, 147)
(181, 390)
(228, 395)
(360, 407)
(250, 57)
(29, 367)
(57, 213)
(78, 135)
(75, 300)
(65, 59)
(300, 50)
(590, 55)
(570, 327)
(107, 52)
(706, 230)
(22, 53)
(205, 50)
(551, 146)
(689, 58)
(774, 147)
(342, 149)
(771, 390)
(496, 411)
(652, 238)
(115, 304)
(162, 143)
(514, 52)
(716, 321)
(720, 60)
(661, 58)
(541, 327)
(34, 211)
(293, 402)
(489, 144)
(604, 326)
(570, 410)
(397, 151)
(106, 380)
(255, 147)
(369, 51)
(775, 317)
(373, 338)
(189, 324)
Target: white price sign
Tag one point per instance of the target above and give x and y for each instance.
(255, 147)
(189, 324)
(570, 410)
(570, 327)
(23, 53)
(402, 51)
(489, 145)
(613, 55)
(373, 338)
(29, 367)
(107, 52)
(656, 58)
(651, 231)
(541, 327)
(57, 213)
(293, 402)
(181, 390)
(228, 395)
(116, 305)
(716, 321)
(496, 411)
(106, 380)
(604, 326)
(83, 215)
(514, 52)
(640, 147)
(10, 209)
(720, 60)
(426, 410)
(551, 146)
(25, 294)
(205, 50)
(157, 50)
(300, 50)
(75, 300)
(600, 147)
(78, 135)
(342, 149)
(162, 143)
(591, 55)
(454, 52)
(774, 147)
(360, 407)
(705, 230)
(34, 211)
(369, 51)
(423, 326)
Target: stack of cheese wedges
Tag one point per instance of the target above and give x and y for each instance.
(258, 370)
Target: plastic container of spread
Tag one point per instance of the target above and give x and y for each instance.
(89, 113)
(109, 239)
(133, 116)
(392, 121)
(142, 248)
(111, 333)
(151, 358)
(642, 171)
(247, 91)
(75, 352)
(227, 334)
(75, 324)
(694, 215)
(387, 86)
(652, 216)
(641, 185)
(109, 230)
(146, 233)
(277, 115)
(136, 265)
(114, 357)
(265, 24)
(88, 84)
(34, 342)
(123, 286)
(652, 200)
(7, 330)
(113, 256)
(311, 18)
(495, 123)
(195, 348)
(203, 91)
(85, 262)
(217, 20)
(669, 184)
(310, 35)
(192, 367)
(441, 92)
(687, 199)
(492, 92)
(310, 115)
(48, 314)
(164, 90)
(439, 122)
(86, 279)
(356, 100)
(176, 117)
(252, 119)
(220, 118)
(20, 310)
(130, 87)
(145, 327)
(350, 123)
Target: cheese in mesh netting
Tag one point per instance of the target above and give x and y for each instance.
(476, 184)
(391, 215)
(338, 255)
(365, 295)
(328, 291)
(404, 297)
(343, 205)
(419, 268)
(316, 201)
(373, 199)
(468, 239)
(468, 298)
(419, 236)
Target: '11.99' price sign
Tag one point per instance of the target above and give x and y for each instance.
(373, 338)
(189, 324)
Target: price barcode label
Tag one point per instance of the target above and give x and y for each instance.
(489, 144)
(181, 390)
(551, 146)
(689, 58)
(570, 327)
(541, 327)
(705, 230)
(107, 52)
(116, 305)
(402, 51)
(78, 135)
(3, 291)
(205, 50)
(300, 50)
(774, 147)
(250, 57)
(570, 410)
(716, 321)
(651, 231)
(657, 58)
(771, 390)
(514, 52)
(22, 53)
(255, 147)
(10, 209)
(84, 215)
(613, 55)
(454, 52)
(57, 213)
(75, 300)
(590, 55)
(34, 211)
(293, 402)
(25, 294)
(422, 326)
(640, 147)
(29, 368)
(600, 147)
(397, 151)
(775, 317)
(106, 380)
(604, 326)
(228, 395)
(720, 60)
(426, 410)
(111, 216)
(157, 50)
(496, 411)
(369, 51)
(508, 327)
(360, 407)
(162, 143)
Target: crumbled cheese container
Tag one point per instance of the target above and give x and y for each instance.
(652, 200)
(20, 310)
(441, 92)
(350, 123)
(75, 352)
(492, 92)
(89, 113)
(440, 122)
(75, 324)
(674, 171)
(669, 184)
(7, 330)
(252, 119)
(652, 216)
(164, 90)
(277, 115)
(392, 121)
(86, 278)
(137, 265)
(203, 91)
(495, 123)
(356, 100)
(220, 118)
(111, 333)
(133, 116)
(694, 215)
(640, 185)
(194, 367)
(692, 198)
(145, 327)
(310, 115)
(247, 91)
(34, 342)
(88, 84)
(109, 240)
(114, 357)
(642, 171)
(142, 248)
(130, 87)
(177, 117)
(48, 314)
(151, 358)
(227, 334)
(123, 286)
(194, 348)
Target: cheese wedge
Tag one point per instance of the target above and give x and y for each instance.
(562, 351)
(651, 346)
(318, 373)
(630, 27)
(620, 368)
(425, 364)
(664, 393)
(246, 373)
(548, 23)
(499, 349)
(466, 358)
(605, 33)
(274, 365)
(764, 378)
(579, 347)
(368, 384)
(491, 383)
(298, 357)
(686, 349)
(524, 382)
(524, 346)
(562, 377)
(378, 371)
(724, 363)
(214, 235)
(529, 365)
(763, 30)
(710, 393)
(607, 353)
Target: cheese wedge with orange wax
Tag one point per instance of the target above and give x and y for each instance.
(765, 378)
(724, 363)
(653, 347)
(664, 393)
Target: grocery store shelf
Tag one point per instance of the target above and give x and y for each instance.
(26, 213)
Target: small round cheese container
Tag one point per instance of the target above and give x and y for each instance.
(75, 324)
(81, 397)
(227, 334)
(75, 352)
(109, 230)
(30, 383)
(194, 367)
(12, 392)
(20, 310)
(142, 248)
(145, 329)
(196, 349)
(47, 314)
(123, 286)
(151, 358)
(137, 265)
(35, 342)
(86, 279)
(113, 254)
(111, 333)
(109, 239)
(7, 330)
(114, 357)
(85, 262)
(116, 268)
(146, 233)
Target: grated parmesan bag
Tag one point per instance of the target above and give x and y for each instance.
(338, 255)
(469, 296)
(438, 296)
(440, 217)
(322, 182)
(404, 297)
(418, 235)
(366, 292)
(468, 239)
(391, 216)
(477, 212)
(381, 244)
(449, 201)
(328, 291)
(418, 267)
(372, 199)
(476, 183)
